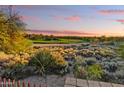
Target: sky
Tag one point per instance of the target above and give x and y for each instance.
(99, 19)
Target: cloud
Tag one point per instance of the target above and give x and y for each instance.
(30, 18)
(73, 18)
(60, 33)
(120, 21)
(108, 12)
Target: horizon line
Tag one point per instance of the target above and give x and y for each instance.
(71, 33)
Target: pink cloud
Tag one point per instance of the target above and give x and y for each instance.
(73, 18)
(107, 12)
(61, 33)
(120, 20)
(30, 18)
(77, 33)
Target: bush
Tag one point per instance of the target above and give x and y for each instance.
(87, 68)
(79, 61)
(105, 52)
(80, 72)
(3, 57)
(86, 52)
(69, 54)
(47, 60)
(19, 71)
(116, 77)
(113, 72)
(94, 72)
(90, 61)
(20, 46)
(9, 60)
(110, 66)
(120, 51)
(12, 33)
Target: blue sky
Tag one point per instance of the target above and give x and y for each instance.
(104, 20)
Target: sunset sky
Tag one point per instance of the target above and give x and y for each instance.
(101, 20)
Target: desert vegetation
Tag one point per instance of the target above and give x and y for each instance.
(96, 58)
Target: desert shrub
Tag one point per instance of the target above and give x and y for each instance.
(116, 77)
(90, 61)
(95, 71)
(86, 52)
(20, 46)
(108, 76)
(110, 66)
(113, 71)
(87, 68)
(48, 61)
(69, 54)
(3, 57)
(19, 71)
(105, 52)
(8, 60)
(15, 66)
(120, 51)
(80, 72)
(79, 61)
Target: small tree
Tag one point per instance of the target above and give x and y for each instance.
(12, 32)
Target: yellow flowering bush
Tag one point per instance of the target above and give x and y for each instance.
(58, 59)
(13, 59)
(3, 57)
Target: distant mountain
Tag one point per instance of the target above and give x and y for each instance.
(59, 33)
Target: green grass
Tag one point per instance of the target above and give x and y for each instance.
(59, 41)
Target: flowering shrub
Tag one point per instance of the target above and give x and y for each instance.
(86, 52)
(105, 52)
(3, 57)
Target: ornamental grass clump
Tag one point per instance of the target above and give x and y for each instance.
(48, 61)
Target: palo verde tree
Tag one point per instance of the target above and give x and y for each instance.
(12, 32)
